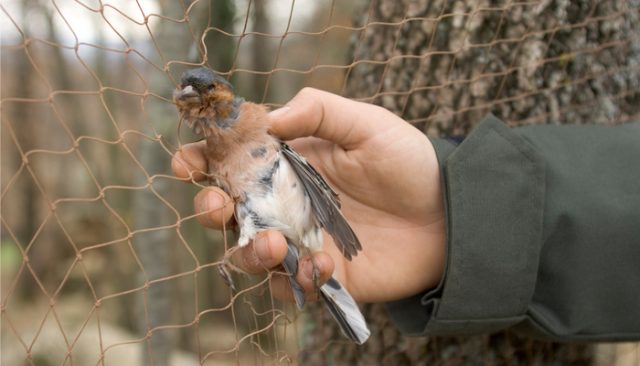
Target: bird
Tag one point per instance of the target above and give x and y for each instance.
(273, 187)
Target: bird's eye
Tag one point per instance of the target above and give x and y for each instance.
(212, 86)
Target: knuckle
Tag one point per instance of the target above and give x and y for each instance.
(308, 92)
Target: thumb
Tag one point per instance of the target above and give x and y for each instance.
(313, 112)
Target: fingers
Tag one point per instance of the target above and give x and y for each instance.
(190, 162)
(281, 289)
(328, 116)
(214, 208)
(267, 253)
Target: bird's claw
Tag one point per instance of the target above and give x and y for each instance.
(225, 274)
(225, 268)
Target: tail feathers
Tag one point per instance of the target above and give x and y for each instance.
(290, 265)
(345, 311)
(339, 302)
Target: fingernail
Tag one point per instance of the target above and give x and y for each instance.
(261, 245)
(279, 112)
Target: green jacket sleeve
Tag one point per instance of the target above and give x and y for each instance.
(543, 235)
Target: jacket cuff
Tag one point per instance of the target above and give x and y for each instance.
(494, 198)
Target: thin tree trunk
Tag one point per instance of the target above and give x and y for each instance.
(260, 48)
(154, 247)
(30, 195)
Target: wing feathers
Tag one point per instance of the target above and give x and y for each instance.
(325, 204)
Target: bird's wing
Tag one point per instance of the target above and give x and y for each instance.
(325, 203)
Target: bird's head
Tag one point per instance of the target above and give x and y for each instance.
(204, 99)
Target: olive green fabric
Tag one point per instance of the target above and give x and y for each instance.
(543, 235)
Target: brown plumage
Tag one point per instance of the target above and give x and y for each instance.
(273, 186)
(229, 151)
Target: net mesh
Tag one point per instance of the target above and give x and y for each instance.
(103, 261)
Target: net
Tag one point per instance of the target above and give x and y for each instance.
(103, 260)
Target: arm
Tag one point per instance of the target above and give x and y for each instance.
(543, 235)
(516, 254)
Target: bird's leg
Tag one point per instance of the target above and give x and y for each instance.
(223, 271)
(225, 267)
(315, 274)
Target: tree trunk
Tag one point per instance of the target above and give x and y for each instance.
(154, 247)
(543, 63)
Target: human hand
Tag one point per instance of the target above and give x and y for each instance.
(387, 176)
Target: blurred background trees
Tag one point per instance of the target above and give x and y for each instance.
(102, 258)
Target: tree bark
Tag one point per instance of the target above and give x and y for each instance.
(154, 247)
(543, 63)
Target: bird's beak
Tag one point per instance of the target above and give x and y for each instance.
(186, 94)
